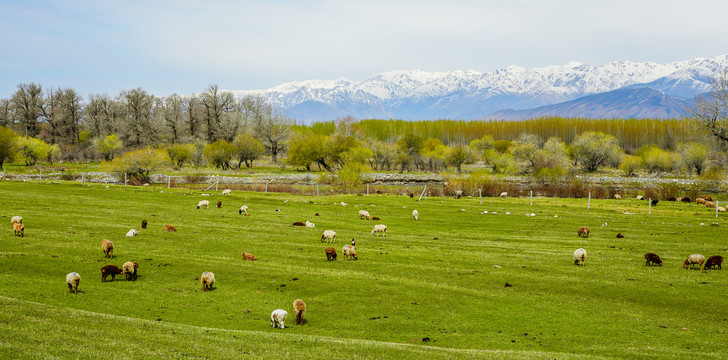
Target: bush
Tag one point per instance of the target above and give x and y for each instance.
(656, 159)
(179, 154)
(630, 164)
(30, 150)
(139, 164)
(594, 149)
(219, 154)
(109, 146)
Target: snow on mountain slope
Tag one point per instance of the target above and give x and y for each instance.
(417, 94)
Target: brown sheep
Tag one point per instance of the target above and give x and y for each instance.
(298, 223)
(317, 214)
(710, 204)
(330, 254)
(620, 236)
(707, 198)
(652, 258)
(715, 260)
(299, 307)
(685, 199)
(19, 229)
(130, 270)
(248, 257)
(112, 270)
(583, 230)
(700, 201)
(672, 199)
(144, 224)
(108, 247)
(376, 218)
(168, 227)
(219, 204)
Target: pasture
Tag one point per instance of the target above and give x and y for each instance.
(434, 288)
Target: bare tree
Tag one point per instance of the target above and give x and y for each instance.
(27, 104)
(6, 115)
(53, 114)
(172, 107)
(139, 128)
(194, 114)
(270, 127)
(216, 103)
(99, 115)
(711, 110)
(72, 110)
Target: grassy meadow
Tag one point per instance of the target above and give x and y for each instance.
(434, 288)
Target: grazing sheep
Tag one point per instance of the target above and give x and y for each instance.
(672, 199)
(411, 194)
(317, 214)
(380, 229)
(72, 280)
(330, 254)
(583, 230)
(207, 279)
(617, 196)
(652, 258)
(707, 198)
(168, 227)
(685, 199)
(640, 197)
(298, 223)
(227, 192)
(131, 233)
(458, 194)
(710, 204)
(203, 204)
(328, 235)
(248, 257)
(277, 317)
(130, 270)
(654, 202)
(721, 209)
(700, 201)
(16, 220)
(715, 260)
(620, 236)
(243, 210)
(415, 215)
(112, 270)
(310, 224)
(219, 204)
(504, 194)
(349, 251)
(108, 247)
(299, 307)
(363, 214)
(579, 257)
(144, 224)
(694, 259)
(19, 229)
(375, 218)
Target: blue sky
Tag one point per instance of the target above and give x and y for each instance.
(181, 47)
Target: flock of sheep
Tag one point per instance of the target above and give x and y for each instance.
(278, 316)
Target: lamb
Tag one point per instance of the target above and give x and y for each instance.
(72, 280)
(112, 270)
(700, 201)
(248, 257)
(298, 223)
(349, 251)
(317, 214)
(299, 307)
(329, 235)
(130, 270)
(108, 247)
(144, 224)
(620, 236)
(168, 227)
(203, 204)
(710, 204)
(330, 254)
(219, 204)
(579, 257)
(652, 258)
(363, 214)
(227, 192)
(131, 233)
(640, 197)
(277, 317)
(243, 209)
(617, 196)
(583, 230)
(16, 220)
(504, 194)
(19, 229)
(415, 215)
(694, 259)
(715, 260)
(721, 209)
(310, 224)
(379, 229)
(375, 218)
(207, 279)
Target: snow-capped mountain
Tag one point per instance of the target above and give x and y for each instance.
(421, 95)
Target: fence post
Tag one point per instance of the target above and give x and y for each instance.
(649, 206)
(124, 179)
(480, 195)
(317, 190)
(40, 177)
(423, 193)
(169, 181)
(83, 178)
(367, 189)
(588, 204)
(531, 197)
(716, 208)
(217, 181)
(266, 187)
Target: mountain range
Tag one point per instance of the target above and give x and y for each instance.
(620, 89)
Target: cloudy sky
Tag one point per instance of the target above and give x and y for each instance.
(181, 47)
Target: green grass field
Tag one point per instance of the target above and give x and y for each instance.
(441, 278)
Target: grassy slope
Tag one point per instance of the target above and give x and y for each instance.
(405, 287)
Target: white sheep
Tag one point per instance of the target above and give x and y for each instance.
(243, 210)
(310, 224)
(415, 215)
(227, 192)
(349, 251)
(579, 257)
(277, 317)
(380, 229)
(504, 194)
(328, 235)
(16, 220)
(694, 259)
(721, 209)
(72, 280)
(617, 196)
(131, 233)
(203, 204)
(640, 197)
(207, 279)
(363, 214)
